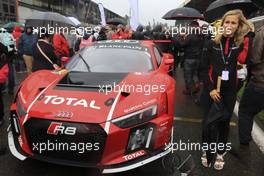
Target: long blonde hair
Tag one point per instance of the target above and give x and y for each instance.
(244, 27)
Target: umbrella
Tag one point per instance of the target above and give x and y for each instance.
(42, 18)
(218, 8)
(11, 25)
(116, 21)
(217, 112)
(183, 14)
(75, 21)
(258, 2)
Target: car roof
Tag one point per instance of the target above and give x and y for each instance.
(127, 42)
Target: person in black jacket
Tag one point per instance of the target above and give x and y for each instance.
(138, 35)
(252, 100)
(220, 82)
(102, 34)
(192, 45)
(157, 33)
(147, 33)
(81, 42)
(43, 54)
(3, 77)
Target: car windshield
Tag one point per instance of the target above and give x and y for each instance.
(112, 59)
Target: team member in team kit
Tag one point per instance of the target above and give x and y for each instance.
(220, 89)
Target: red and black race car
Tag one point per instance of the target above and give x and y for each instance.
(110, 108)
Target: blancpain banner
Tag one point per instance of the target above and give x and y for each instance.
(101, 8)
(134, 21)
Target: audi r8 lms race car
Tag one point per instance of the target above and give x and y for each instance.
(111, 108)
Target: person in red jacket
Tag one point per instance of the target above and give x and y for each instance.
(16, 34)
(120, 33)
(19, 63)
(3, 78)
(61, 46)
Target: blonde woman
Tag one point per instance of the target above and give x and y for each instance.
(220, 67)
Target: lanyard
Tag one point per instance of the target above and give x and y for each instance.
(225, 60)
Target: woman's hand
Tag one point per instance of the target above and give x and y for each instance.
(215, 95)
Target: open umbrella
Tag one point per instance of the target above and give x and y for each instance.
(116, 21)
(75, 21)
(11, 25)
(218, 8)
(258, 2)
(183, 14)
(44, 18)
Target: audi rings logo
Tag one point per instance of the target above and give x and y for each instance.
(63, 114)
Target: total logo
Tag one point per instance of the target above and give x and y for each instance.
(134, 155)
(55, 100)
(56, 128)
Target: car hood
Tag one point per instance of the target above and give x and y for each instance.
(92, 103)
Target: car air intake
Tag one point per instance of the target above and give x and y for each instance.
(65, 141)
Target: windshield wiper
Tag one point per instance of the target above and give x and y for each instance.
(86, 64)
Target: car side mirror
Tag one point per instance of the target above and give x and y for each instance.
(168, 59)
(64, 60)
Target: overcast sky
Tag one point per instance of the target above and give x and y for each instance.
(148, 9)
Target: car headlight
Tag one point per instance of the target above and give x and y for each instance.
(136, 118)
(20, 108)
(140, 137)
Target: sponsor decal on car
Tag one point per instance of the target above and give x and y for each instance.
(140, 106)
(120, 41)
(63, 114)
(56, 128)
(134, 155)
(20, 140)
(55, 100)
